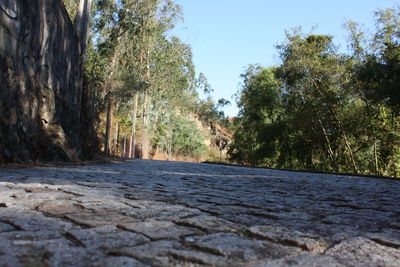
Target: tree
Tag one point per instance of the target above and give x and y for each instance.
(140, 78)
(376, 82)
(314, 76)
(260, 107)
(325, 110)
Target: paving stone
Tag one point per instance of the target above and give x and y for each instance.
(58, 252)
(395, 225)
(29, 220)
(158, 252)
(5, 227)
(22, 237)
(59, 208)
(302, 260)
(161, 211)
(290, 238)
(161, 229)
(105, 237)
(210, 224)
(172, 253)
(155, 213)
(364, 252)
(9, 253)
(233, 246)
(108, 206)
(119, 261)
(98, 219)
(193, 257)
(389, 238)
(10, 261)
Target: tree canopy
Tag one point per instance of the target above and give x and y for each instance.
(140, 81)
(323, 109)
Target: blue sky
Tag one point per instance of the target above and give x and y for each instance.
(228, 35)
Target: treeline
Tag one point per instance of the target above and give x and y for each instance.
(141, 88)
(324, 109)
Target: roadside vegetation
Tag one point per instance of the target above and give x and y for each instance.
(141, 89)
(325, 108)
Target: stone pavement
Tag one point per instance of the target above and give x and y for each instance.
(154, 213)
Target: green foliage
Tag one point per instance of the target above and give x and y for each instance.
(260, 107)
(202, 84)
(325, 110)
(145, 77)
(187, 138)
(72, 7)
(180, 135)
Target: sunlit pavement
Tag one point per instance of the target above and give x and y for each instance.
(157, 213)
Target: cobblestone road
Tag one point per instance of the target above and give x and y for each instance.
(154, 213)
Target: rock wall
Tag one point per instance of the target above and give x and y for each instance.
(40, 93)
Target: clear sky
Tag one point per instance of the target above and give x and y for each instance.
(228, 35)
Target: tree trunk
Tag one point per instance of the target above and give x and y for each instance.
(82, 20)
(109, 119)
(124, 147)
(116, 137)
(376, 159)
(130, 147)
(145, 138)
(133, 136)
(346, 142)
(110, 110)
(328, 144)
(145, 55)
(110, 105)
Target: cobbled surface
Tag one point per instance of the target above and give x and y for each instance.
(155, 213)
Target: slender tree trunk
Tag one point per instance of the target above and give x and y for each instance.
(124, 147)
(110, 105)
(133, 136)
(110, 110)
(144, 107)
(130, 147)
(116, 137)
(109, 119)
(344, 136)
(147, 101)
(376, 158)
(387, 168)
(145, 138)
(346, 142)
(328, 144)
(82, 20)
(146, 59)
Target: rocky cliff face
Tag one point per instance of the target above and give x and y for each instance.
(40, 94)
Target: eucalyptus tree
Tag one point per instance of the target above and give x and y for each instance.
(158, 18)
(137, 71)
(259, 101)
(172, 81)
(314, 76)
(117, 22)
(376, 82)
